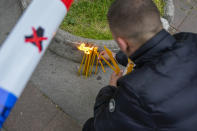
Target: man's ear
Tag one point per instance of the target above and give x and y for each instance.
(122, 44)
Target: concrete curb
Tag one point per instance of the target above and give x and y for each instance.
(63, 43)
(169, 10)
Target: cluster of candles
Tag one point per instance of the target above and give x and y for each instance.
(91, 55)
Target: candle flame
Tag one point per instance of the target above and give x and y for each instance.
(86, 49)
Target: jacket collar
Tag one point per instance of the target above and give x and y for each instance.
(161, 41)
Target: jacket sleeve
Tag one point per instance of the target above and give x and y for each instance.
(103, 98)
(121, 58)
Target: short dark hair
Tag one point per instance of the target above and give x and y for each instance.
(134, 18)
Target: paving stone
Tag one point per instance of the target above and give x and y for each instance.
(181, 11)
(32, 112)
(190, 24)
(192, 3)
(62, 122)
(9, 14)
(173, 30)
(2, 129)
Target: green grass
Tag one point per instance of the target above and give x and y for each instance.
(160, 5)
(87, 18)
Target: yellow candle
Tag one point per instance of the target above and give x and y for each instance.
(108, 63)
(81, 64)
(102, 66)
(100, 62)
(96, 64)
(92, 64)
(88, 65)
(130, 66)
(85, 65)
(112, 60)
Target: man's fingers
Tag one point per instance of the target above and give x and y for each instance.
(120, 73)
(101, 54)
(115, 77)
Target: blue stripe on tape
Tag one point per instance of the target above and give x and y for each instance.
(7, 101)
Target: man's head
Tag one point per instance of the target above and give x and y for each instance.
(133, 22)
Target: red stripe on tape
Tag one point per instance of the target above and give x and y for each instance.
(67, 3)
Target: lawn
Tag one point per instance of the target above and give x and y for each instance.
(87, 18)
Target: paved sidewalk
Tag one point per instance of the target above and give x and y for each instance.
(35, 112)
(185, 16)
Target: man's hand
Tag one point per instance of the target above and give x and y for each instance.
(114, 78)
(105, 55)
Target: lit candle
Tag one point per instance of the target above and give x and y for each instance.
(81, 63)
(88, 65)
(112, 60)
(93, 58)
(84, 68)
(96, 65)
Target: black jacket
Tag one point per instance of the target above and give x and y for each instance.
(159, 95)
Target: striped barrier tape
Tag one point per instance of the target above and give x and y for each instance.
(24, 47)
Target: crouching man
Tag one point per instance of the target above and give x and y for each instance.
(161, 93)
